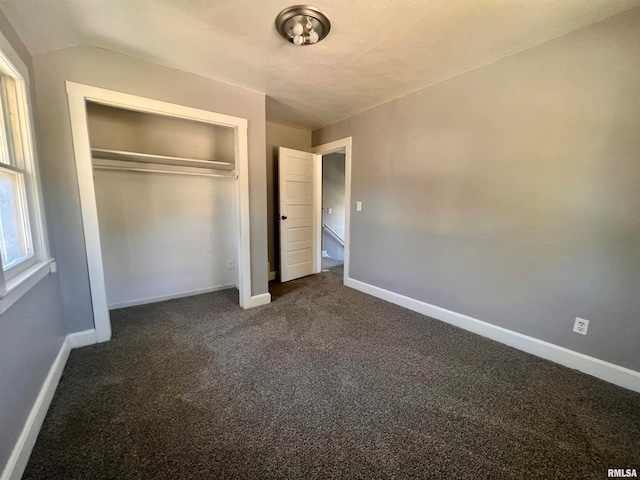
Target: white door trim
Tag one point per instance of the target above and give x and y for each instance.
(325, 149)
(78, 95)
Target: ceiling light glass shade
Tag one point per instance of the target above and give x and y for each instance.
(303, 24)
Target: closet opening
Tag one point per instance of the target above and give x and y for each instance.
(164, 197)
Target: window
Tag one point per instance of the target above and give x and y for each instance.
(16, 243)
(23, 248)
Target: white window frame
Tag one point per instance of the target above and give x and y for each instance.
(18, 280)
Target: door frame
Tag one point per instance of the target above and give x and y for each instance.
(78, 95)
(325, 149)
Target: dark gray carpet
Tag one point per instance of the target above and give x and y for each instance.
(328, 262)
(325, 382)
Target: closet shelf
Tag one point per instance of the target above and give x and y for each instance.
(147, 167)
(106, 154)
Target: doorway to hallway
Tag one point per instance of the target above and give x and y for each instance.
(333, 221)
(306, 215)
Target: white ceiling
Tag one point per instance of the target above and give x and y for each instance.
(377, 50)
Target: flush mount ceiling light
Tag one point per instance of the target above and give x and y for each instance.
(303, 24)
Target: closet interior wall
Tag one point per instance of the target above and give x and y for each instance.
(165, 193)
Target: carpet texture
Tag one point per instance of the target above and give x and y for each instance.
(329, 263)
(325, 382)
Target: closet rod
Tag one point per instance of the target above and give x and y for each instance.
(170, 172)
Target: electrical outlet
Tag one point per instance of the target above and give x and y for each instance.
(581, 326)
(358, 206)
(329, 210)
(230, 265)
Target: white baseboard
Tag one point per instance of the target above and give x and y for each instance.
(609, 372)
(17, 462)
(82, 339)
(272, 275)
(258, 300)
(171, 296)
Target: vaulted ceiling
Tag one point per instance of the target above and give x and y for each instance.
(377, 50)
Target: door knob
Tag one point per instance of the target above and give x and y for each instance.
(283, 217)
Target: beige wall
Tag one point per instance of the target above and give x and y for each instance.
(512, 193)
(122, 73)
(119, 129)
(165, 235)
(279, 136)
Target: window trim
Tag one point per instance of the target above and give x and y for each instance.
(15, 284)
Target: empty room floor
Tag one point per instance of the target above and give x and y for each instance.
(325, 382)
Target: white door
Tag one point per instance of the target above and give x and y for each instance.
(297, 214)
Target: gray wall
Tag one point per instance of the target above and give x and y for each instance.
(106, 69)
(288, 137)
(31, 333)
(333, 183)
(511, 193)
